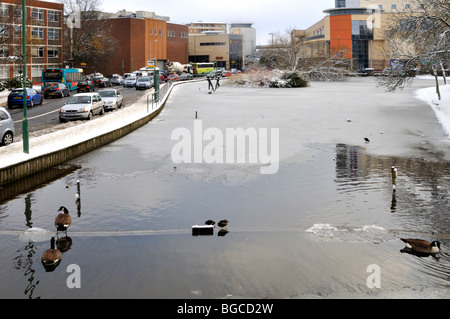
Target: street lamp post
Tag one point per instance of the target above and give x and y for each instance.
(24, 80)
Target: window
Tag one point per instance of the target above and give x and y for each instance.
(37, 52)
(4, 10)
(36, 71)
(394, 6)
(4, 71)
(4, 51)
(53, 16)
(4, 31)
(17, 31)
(160, 32)
(37, 14)
(407, 6)
(37, 33)
(53, 34)
(52, 52)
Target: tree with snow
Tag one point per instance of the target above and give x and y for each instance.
(418, 38)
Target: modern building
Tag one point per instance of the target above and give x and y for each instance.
(354, 30)
(44, 30)
(200, 27)
(142, 37)
(249, 33)
(225, 50)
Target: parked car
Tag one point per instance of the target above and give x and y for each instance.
(226, 73)
(172, 77)
(56, 89)
(85, 86)
(144, 82)
(130, 81)
(6, 127)
(112, 98)
(16, 98)
(102, 82)
(186, 76)
(117, 80)
(82, 106)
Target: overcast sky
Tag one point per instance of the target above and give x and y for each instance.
(267, 15)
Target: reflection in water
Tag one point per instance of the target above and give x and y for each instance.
(51, 258)
(421, 199)
(64, 243)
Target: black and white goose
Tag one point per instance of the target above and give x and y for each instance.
(63, 220)
(51, 257)
(421, 246)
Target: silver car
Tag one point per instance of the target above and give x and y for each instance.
(82, 106)
(6, 127)
(112, 98)
(144, 82)
(130, 81)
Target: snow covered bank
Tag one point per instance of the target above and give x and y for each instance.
(73, 135)
(440, 107)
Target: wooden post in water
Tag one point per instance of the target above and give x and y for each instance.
(394, 177)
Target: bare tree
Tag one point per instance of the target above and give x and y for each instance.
(88, 36)
(286, 53)
(419, 38)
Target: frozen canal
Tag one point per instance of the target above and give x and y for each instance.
(316, 227)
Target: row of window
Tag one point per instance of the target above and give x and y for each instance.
(172, 34)
(7, 10)
(36, 32)
(36, 52)
(36, 70)
(202, 44)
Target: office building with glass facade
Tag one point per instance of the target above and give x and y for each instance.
(354, 30)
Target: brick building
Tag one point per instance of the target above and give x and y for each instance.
(141, 39)
(44, 23)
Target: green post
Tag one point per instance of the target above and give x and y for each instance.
(24, 79)
(156, 84)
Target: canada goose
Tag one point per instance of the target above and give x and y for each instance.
(222, 223)
(210, 222)
(63, 220)
(422, 246)
(51, 257)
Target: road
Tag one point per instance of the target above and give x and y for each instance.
(44, 118)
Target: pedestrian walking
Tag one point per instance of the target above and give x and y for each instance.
(217, 82)
(210, 85)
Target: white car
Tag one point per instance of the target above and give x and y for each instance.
(82, 106)
(130, 81)
(112, 98)
(7, 130)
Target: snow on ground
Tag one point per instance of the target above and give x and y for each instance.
(440, 107)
